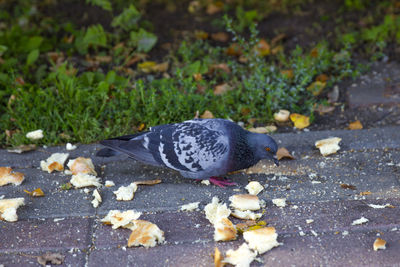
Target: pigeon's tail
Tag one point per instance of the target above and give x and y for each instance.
(107, 152)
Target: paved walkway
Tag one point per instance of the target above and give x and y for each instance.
(66, 222)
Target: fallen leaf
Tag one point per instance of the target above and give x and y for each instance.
(162, 67)
(20, 80)
(35, 193)
(136, 58)
(222, 66)
(222, 88)
(356, 125)
(277, 38)
(283, 153)
(322, 78)
(276, 49)
(103, 59)
(22, 148)
(53, 258)
(348, 186)
(314, 52)
(218, 258)
(148, 182)
(201, 35)
(234, 50)
(194, 6)
(197, 76)
(323, 109)
(300, 121)
(141, 127)
(287, 73)
(262, 48)
(146, 66)
(207, 115)
(213, 8)
(220, 37)
(316, 87)
(365, 193)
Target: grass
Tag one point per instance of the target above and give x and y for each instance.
(76, 83)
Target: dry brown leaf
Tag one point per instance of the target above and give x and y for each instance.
(103, 59)
(276, 49)
(365, 193)
(7, 176)
(136, 58)
(222, 66)
(222, 37)
(207, 115)
(287, 73)
(201, 35)
(300, 121)
(277, 38)
(22, 148)
(218, 258)
(148, 182)
(316, 87)
(262, 48)
(322, 109)
(222, 88)
(234, 50)
(213, 8)
(356, 125)
(53, 258)
(348, 186)
(162, 67)
(314, 52)
(322, 78)
(283, 153)
(197, 77)
(19, 80)
(35, 193)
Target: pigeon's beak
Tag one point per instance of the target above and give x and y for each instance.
(276, 160)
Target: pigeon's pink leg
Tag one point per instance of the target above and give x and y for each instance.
(221, 181)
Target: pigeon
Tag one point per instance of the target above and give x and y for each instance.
(197, 148)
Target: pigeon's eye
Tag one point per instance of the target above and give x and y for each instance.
(268, 149)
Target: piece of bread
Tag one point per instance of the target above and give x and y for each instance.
(245, 202)
(81, 165)
(126, 193)
(328, 146)
(215, 211)
(241, 257)
(54, 163)
(379, 244)
(254, 188)
(121, 219)
(8, 208)
(84, 180)
(262, 239)
(145, 234)
(225, 230)
(246, 215)
(7, 176)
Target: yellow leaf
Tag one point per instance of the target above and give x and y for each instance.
(146, 66)
(356, 125)
(35, 193)
(141, 127)
(263, 48)
(316, 87)
(300, 121)
(197, 77)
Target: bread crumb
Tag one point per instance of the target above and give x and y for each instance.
(125, 193)
(70, 146)
(121, 219)
(145, 234)
(360, 221)
(328, 146)
(245, 202)
(218, 258)
(109, 183)
(8, 208)
(84, 180)
(7, 176)
(309, 221)
(190, 207)
(205, 182)
(224, 230)
(81, 165)
(54, 163)
(215, 211)
(262, 239)
(379, 244)
(97, 198)
(246, 215)
(242, 257)
(279, 202)
(35, 135)
(254, 188)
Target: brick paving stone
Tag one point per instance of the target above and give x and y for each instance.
(72, 258)
(47, 234)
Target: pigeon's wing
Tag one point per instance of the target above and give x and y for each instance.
(192, 146)
(135, 146)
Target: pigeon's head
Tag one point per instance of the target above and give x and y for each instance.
(265, 147)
